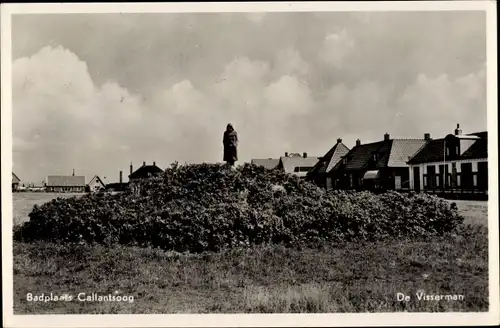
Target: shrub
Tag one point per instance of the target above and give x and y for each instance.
(210, 207)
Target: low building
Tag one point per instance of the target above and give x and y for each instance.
(318, 174)
(65, 183)
(296, 164)
(456, 163)
(15, 182)
(96, 184)
(268, 163)
(144, 172)
(376, 166)
(36, 187)
(118, 186)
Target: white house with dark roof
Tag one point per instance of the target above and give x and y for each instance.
(455, 163)
(96, 184)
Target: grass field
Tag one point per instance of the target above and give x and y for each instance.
(350, 277)
(23, 203)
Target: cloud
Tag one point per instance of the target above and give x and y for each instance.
(442, 102)
(61, 116)
(162, 88)
(336, 47)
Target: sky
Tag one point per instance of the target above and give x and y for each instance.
(95, 92)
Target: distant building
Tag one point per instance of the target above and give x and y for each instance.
(455, 163)
(118, 186)
(144, 172)
(296, 164)
(15, 182)
(38, 187)
(376, 166)
(318, 174)
(96, 184)
(65, 183)
(268, 163)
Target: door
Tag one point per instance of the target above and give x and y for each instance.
(482, 175)
(466, 178)
(329, 183)
(397, 182)
(416, 179)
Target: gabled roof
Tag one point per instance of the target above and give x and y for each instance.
(145, 171)
(434, 150)
(290, 163)
(15, 179)
(479, 149)
(390, 153)
(65, 181)
(402, 150)
(360, 156)
(96, 179)
(330, 159)
(268, 163)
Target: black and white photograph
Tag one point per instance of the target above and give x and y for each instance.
(249, 159)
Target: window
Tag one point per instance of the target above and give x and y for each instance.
(454, 176)
(447, 151)
(302, 168)
(431, 176)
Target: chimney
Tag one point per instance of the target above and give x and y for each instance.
(121, 176)
(286, 154)
(458, 131)
(358, 142)
(427, 136)
(339, 140)
(304, 155)
(144, 163)
(73, 172)
(154, 163)
(131, 168)
(387, 136)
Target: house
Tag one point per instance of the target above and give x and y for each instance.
(296, 164)
(376, 166)
(145, 171)
(318, 174)
(118, 186)
(455, 163)
(65, 183)
(96, 184)
(268, 163)
(15, 182)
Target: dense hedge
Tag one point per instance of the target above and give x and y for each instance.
(210, 206)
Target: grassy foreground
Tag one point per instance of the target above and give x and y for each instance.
(351, 277)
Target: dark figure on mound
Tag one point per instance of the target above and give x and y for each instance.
(230, 142)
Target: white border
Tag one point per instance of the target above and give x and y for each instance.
(247, 320)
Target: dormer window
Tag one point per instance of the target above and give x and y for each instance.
(344, 161)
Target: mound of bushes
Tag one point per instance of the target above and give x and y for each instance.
(210, 206)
